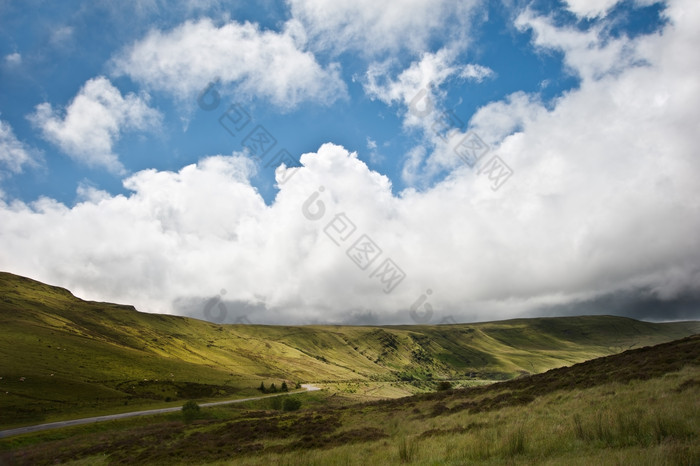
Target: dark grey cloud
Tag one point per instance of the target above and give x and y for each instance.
(220, 311)
(639, 304)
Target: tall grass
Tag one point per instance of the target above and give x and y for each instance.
(515, 442)
(622, 428)
(407, 450)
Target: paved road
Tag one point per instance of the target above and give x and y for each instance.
(111, 417)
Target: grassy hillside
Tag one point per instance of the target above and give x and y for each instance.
(639, 407)
(64, 357)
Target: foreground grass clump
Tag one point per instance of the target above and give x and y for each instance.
(407, 450)
(618, 428)
(640, 407)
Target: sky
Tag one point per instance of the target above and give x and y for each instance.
(355, 162)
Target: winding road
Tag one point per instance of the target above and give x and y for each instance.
(112, 417)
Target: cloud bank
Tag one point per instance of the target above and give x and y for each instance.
(603, 205)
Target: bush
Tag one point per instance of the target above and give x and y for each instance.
(190, 410)
(284, 387)
(444, 385)
(273, 389)
(262, 387)
(291, 404)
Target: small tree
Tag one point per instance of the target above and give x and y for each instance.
(284, 387)
(262, 387)
(190, 410)
(273, 389)
(291, 404)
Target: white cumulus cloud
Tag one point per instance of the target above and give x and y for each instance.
(14, 154)
(591, 54)
(419, 93)
(13, 59)
(94, 121)
(416, 87)
(268, 64)
(590, 8)
(599, 8)
(475, 72)
(372, 27)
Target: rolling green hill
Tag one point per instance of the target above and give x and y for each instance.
(639, 407)
(62, 356)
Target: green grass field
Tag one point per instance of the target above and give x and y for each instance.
(63, 357)
(636, 408)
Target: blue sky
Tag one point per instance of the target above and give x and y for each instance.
(56, 62)
(101, 120)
